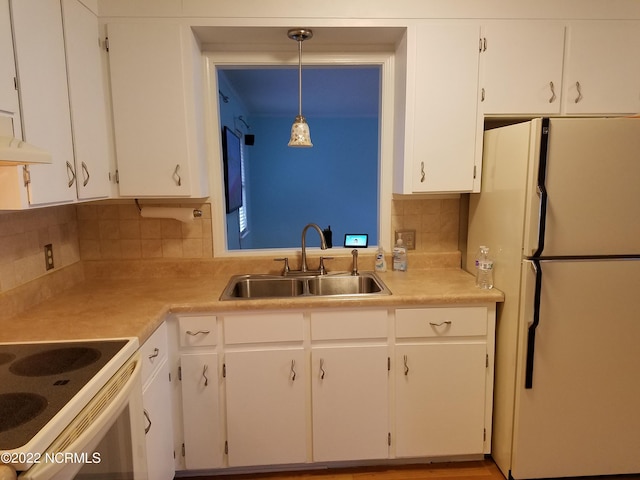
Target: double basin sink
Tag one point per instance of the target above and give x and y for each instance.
(256, 286)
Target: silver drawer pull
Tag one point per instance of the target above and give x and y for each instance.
(433, 324)
(204, 375)
(155, 353)
(406, 365)
(193, 334)
(148, 427)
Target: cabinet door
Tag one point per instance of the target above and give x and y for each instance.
(266, 409)
(9, 106)
(149, 91)
(87, 97)
(442, 108)
(44, 97)
(156, 399)
(201, 411)
(440, 399)
(350, 403)
(521, 67)
(603, 68)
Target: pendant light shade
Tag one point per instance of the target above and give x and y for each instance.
(300, 135)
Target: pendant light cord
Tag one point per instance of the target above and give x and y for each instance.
(300, 77)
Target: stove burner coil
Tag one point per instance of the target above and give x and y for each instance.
(18, 408)
(6, 358)
(55, 361)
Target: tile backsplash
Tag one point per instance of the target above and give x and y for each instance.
(116, 231)
(435, 220)
(23, 235)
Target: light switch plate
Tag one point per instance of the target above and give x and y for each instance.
(408, 238)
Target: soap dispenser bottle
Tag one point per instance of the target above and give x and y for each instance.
(400, 255)
(381, 263)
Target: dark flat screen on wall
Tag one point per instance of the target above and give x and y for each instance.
(232, 169)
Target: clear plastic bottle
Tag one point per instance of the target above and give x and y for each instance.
(400, 256)
(381, 263)
(484, 268)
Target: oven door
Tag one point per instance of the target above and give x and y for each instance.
(106, 440)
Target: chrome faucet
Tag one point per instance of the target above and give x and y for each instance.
(323, 244)
(354, 271)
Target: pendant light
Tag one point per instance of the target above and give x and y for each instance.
(300, 136)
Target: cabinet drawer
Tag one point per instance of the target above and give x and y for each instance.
(197, 331)
(349, 325)
(263, 328)
(153, 352)
(441, 322)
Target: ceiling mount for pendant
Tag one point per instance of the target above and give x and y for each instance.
(300, 34)
(300, 135)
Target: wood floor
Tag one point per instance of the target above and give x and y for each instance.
(477, 470)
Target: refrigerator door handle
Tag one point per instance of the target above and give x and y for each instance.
(531, 334)
(542, 189)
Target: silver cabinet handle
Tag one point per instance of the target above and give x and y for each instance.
(71, 174)
(322, 369)
(199, 332)
(293, 370)
(85, 174)
(176, 175)
(406, 365)
(204, 375)
(155, 353)
(579, 88)
(553, 93)
(482, 94)
(422, 174)
(148, 427)
(446, 322)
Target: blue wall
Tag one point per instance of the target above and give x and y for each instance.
(334, 183)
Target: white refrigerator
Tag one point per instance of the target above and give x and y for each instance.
(560, 211)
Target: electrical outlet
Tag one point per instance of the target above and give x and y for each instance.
(408, 238)
(48, 256)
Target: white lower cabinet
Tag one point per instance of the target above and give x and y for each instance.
(261, 389)
(200, 410)
(350, 402)
(156, 398)
(200, 442)
(443, 370)
(159, 432)
(266, 413)
(440, 391)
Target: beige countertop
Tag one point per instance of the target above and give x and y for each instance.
(134, 307)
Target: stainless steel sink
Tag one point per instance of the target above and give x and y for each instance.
(345, 285)
(272, 286)
(261, 286)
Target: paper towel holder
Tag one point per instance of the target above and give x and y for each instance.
(196, 212)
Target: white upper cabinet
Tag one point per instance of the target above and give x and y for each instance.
(44, 97)
(61, 103)
(521, 67)
(602, 72)
(9, 105)
(87, 100)
(156, 82)
(438, 150)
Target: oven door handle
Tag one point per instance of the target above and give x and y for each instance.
(84, 433)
